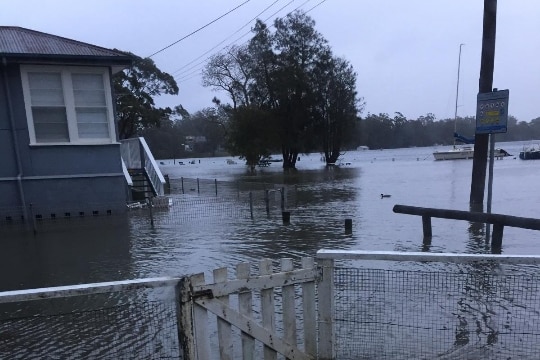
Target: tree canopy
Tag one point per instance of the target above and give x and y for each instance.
(290, 79)
(135, 89)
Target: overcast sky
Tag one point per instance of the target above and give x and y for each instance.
(405, 52)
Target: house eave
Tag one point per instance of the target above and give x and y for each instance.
(117, 63)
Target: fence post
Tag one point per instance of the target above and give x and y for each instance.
(251, 204)
(426, 225)
(496, 237)
(215, 182)
(182, 184)
(326, 311)
(184, 314)
(282, 198)
(267, 201)
(198, 188)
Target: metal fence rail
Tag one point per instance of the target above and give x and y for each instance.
(453, 307)
(120, 320)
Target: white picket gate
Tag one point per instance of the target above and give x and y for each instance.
(198, 298)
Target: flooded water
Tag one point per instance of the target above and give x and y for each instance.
(126, 248)
(201, 232)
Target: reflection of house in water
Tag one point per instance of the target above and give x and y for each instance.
(58, 140)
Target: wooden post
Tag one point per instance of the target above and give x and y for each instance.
(186, 332)
(326, 311)
(267, 307)
(286, 217)
(485, 84)
(348, 226)
(245, 307)
(224, 328)
(496, 238)
(426, 225)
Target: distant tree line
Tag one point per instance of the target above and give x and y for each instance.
(382, 131)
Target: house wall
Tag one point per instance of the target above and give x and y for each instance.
(86, 177)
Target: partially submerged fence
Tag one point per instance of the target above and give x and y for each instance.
(347, 305)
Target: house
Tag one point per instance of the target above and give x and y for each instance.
(59, 150)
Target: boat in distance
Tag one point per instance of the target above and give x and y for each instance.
(465, 152)
(530, 153)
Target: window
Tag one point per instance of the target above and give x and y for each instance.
(68, 105)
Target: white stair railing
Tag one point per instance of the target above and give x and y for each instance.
(137, 155)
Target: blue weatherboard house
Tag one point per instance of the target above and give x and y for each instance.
(59, 148)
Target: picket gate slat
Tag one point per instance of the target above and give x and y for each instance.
(289, 313)
(197, 299)
(224, 327)
(245, 307)
(309, 310)
(200, 324)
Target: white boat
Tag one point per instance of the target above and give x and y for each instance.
(465, 152)
(456, 153)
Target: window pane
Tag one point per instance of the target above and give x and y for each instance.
(92, 123)
(46, 89)
(50, 124)
(88, 89)
(89, 97)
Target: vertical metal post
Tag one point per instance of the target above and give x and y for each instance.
(238, 189)
(215, 182)
(251, 204)
(267, 202)
(282, 198)
(426, 226)
(151, 212)
(198, 188)
(182, 178)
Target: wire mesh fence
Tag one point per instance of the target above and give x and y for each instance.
(129, 323)
(189, 200)
(461, 312)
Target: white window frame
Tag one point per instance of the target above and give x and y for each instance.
(69, 101)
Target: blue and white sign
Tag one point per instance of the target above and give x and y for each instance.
(492, 112)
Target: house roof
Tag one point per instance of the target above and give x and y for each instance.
(25, 43)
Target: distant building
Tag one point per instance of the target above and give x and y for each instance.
(59, 148)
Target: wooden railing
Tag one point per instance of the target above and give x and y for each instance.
(499, 221)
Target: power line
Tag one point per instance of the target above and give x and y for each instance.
(227, 38)
(199, 29)
(189, 73)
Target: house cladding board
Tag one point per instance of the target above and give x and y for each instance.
(86, 176)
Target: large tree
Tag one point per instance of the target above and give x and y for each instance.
(135, 89)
